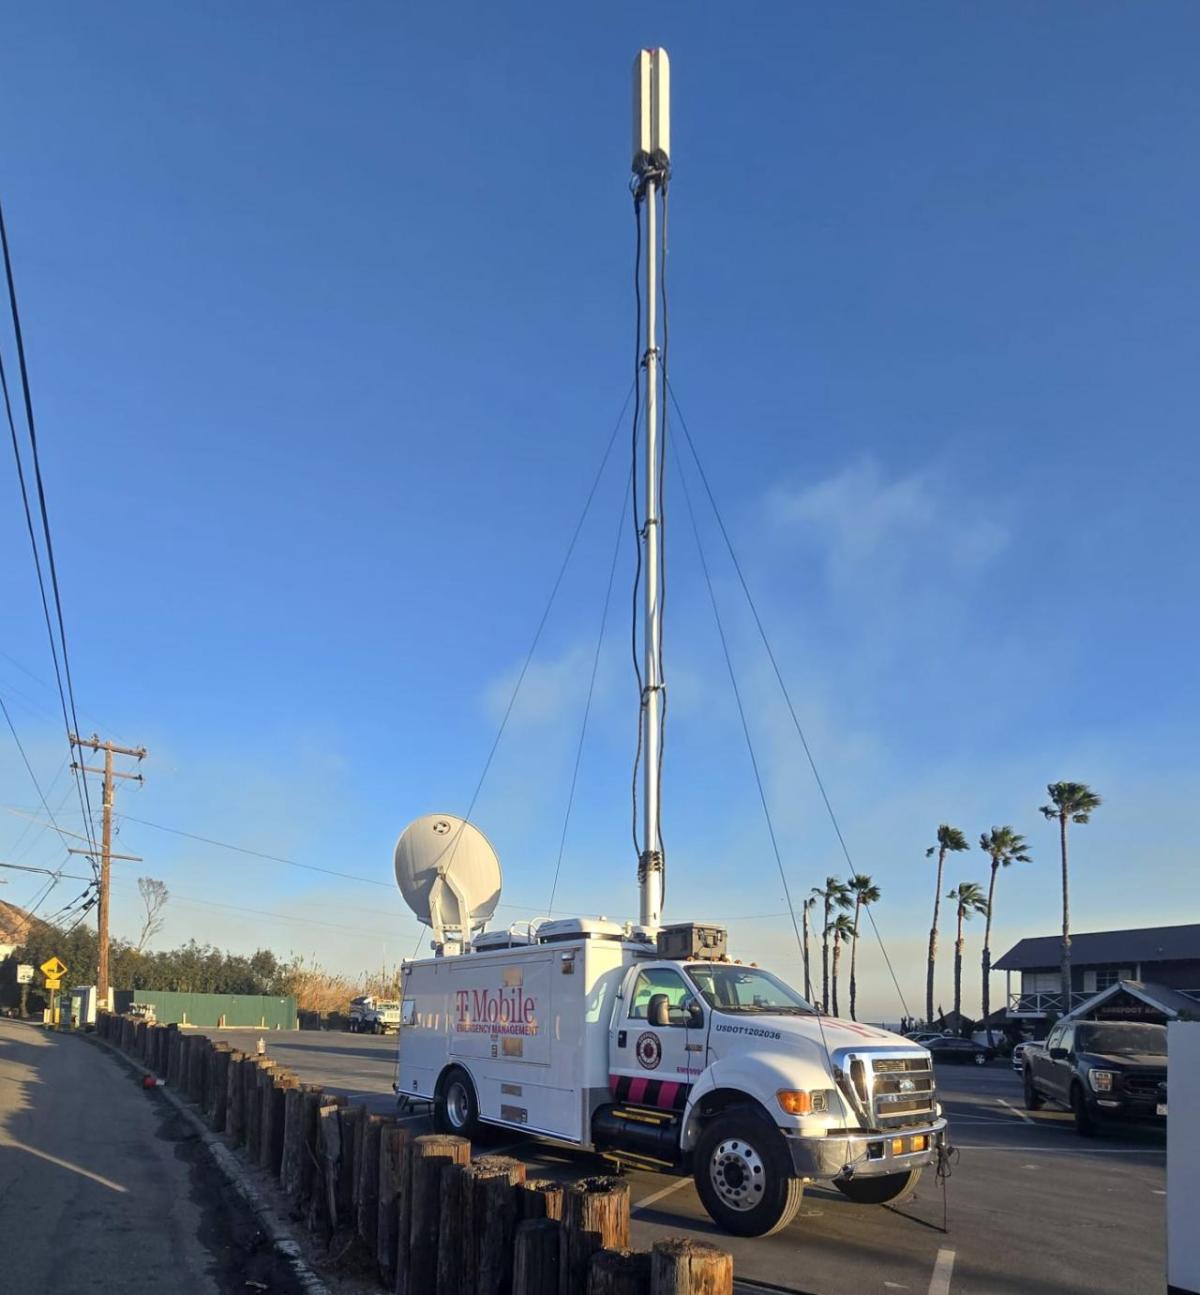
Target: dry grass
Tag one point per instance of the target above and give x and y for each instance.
(318, 990)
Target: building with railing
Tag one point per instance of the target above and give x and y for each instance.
(1161, 955)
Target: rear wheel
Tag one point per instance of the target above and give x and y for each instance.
(743, 1173)
(1033, 1099)
(887, 1189)
(980, 1058)
(1085, 1123)
(455, 1108)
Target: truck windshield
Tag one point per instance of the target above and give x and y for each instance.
(1122, 1036)
(726, 987)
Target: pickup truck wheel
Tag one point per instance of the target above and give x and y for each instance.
(1085, 1124)
(887, 1189)
(743, 1173)
(1034, 1101)
(377, 1028)
(455, 1108)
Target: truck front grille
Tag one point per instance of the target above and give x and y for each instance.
(893, 1091)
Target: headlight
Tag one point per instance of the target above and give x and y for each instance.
(798, 1101)
(1101, 1080)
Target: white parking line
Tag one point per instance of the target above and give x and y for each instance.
(1019, 1114)
(939, 1283)
(657, 1196)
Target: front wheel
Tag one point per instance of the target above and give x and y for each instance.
(744, 1176)
(377, 1028)
(887, 1189)
(1033, 1099)
(981, 1058)
(1085, 1123)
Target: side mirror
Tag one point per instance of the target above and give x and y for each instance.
(695, 1013)
(1058, 1054)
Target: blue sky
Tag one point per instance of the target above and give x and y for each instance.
(329, 316)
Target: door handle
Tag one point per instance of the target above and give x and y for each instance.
(693, 1047)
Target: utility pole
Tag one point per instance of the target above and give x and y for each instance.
(106, 855)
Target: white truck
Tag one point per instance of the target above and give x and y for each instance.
(369, 1015)
(645, 1042)
(585, 1034)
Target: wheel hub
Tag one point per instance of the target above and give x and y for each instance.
(738, 1174)
(458, 1105)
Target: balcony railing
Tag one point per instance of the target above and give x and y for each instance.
(1045, 1004)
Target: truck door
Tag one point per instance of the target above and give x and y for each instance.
(656, 1049)
(1063, 1068)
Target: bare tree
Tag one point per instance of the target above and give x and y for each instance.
(154, 895)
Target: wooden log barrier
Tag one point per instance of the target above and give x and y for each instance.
(172, 1055)
(270, 1150)
(254, 1103)
(393, 1159)
(367, 1194)
(235, 1104)
(428, 1156)
(595, 1217)
(454, 1239)
(679, 1266)
(536, 1257)
(619, 1272)
(218, 1085)
(299, 1142)
(139, 1040)
(322, 1201)
(540, 1198)
(352, 1119)
(197, 1058)
(491, 1220)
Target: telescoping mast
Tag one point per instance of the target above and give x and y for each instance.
(651, 174)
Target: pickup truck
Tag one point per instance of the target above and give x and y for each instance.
(1102, 1071)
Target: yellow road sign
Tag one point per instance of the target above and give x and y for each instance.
(53, 969)
(53, 982)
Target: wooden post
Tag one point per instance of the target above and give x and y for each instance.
(352, 1120)
(368, 1182)
(139, 1037)
(197, 1059)
(491, 1221)
(392, 1159)
(170, 1052)
(454, 1242)
(218, 1087)
(619, 1272)
(321, 1202)
(254, 1103)
(274, 1097)
(300, 1142)
(595, 1217)
(540, 1198)
(235, 1100)
(682, 1267)
(404, 1216)
(430, 1153)
(536, 1259)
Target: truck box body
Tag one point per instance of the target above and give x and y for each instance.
(531, 1024)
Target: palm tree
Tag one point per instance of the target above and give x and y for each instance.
(842, 928)
(948, 838)
(1070, 802)
(835, 892)
(969, 898)
(865, 892)
(809, 905)
(1004, 846)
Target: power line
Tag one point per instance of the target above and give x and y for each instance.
(72, 723)
(29, 769)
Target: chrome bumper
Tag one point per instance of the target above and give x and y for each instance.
(867, 1155)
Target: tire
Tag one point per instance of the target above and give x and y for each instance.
(1085, 1123)
(743, 1174)
(1034, 1101)
(888, 1189)
(980, 1058)
(377, 1028)
(456, 1108)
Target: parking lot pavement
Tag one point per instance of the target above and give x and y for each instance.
(1032, 1208)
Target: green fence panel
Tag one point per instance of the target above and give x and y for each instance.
(258, 1011)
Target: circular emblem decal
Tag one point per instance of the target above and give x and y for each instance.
(649, 1051)
(441, 827)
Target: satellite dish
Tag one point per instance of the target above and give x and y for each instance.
(448, 874)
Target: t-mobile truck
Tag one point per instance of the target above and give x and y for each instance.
(643, 1041)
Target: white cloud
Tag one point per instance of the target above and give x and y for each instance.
(868, 521)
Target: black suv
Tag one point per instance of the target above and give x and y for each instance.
(1102, 1070)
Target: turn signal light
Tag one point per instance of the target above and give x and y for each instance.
(920, 1143)
(794, 1101)
(897, 1146)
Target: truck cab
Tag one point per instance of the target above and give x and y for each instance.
(692, 1064)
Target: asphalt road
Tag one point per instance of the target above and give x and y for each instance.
(1032, 1208)
(104, 1188)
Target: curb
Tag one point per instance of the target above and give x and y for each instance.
(238, 1178)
